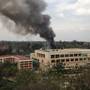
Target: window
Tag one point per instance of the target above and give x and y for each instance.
(81, 59)
(43, 55)
(66, 55)
(58, 61)
(62, 60)
(79, 54)
(57, 56)
(67, 60)
(62, 55)
(76, 59)
(84, 58)
(72, 59)
(53, 61)
(52, 56)
(75, 55)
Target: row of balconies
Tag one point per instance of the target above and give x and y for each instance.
(69, 60)
(67, 55)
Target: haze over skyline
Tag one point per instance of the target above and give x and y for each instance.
(70, 20)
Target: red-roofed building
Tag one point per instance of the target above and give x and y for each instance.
(22, 62)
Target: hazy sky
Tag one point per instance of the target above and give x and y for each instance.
(70, 20)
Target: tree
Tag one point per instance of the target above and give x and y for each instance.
(9, 69)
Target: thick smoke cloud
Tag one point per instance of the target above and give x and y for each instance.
(28, 14)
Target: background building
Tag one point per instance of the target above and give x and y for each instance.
(69, 58)
(22, 62)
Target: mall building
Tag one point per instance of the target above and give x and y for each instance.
(69, 58)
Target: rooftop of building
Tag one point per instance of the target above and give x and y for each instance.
(17, 57)
(64, 50)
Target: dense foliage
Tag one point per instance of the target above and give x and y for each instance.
(53, 79)
(26, 47)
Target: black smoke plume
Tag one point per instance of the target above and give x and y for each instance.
(29, 15)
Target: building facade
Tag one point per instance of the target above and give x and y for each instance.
(22, 62)
(69, 58)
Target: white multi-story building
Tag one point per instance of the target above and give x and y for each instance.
(69, 58)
